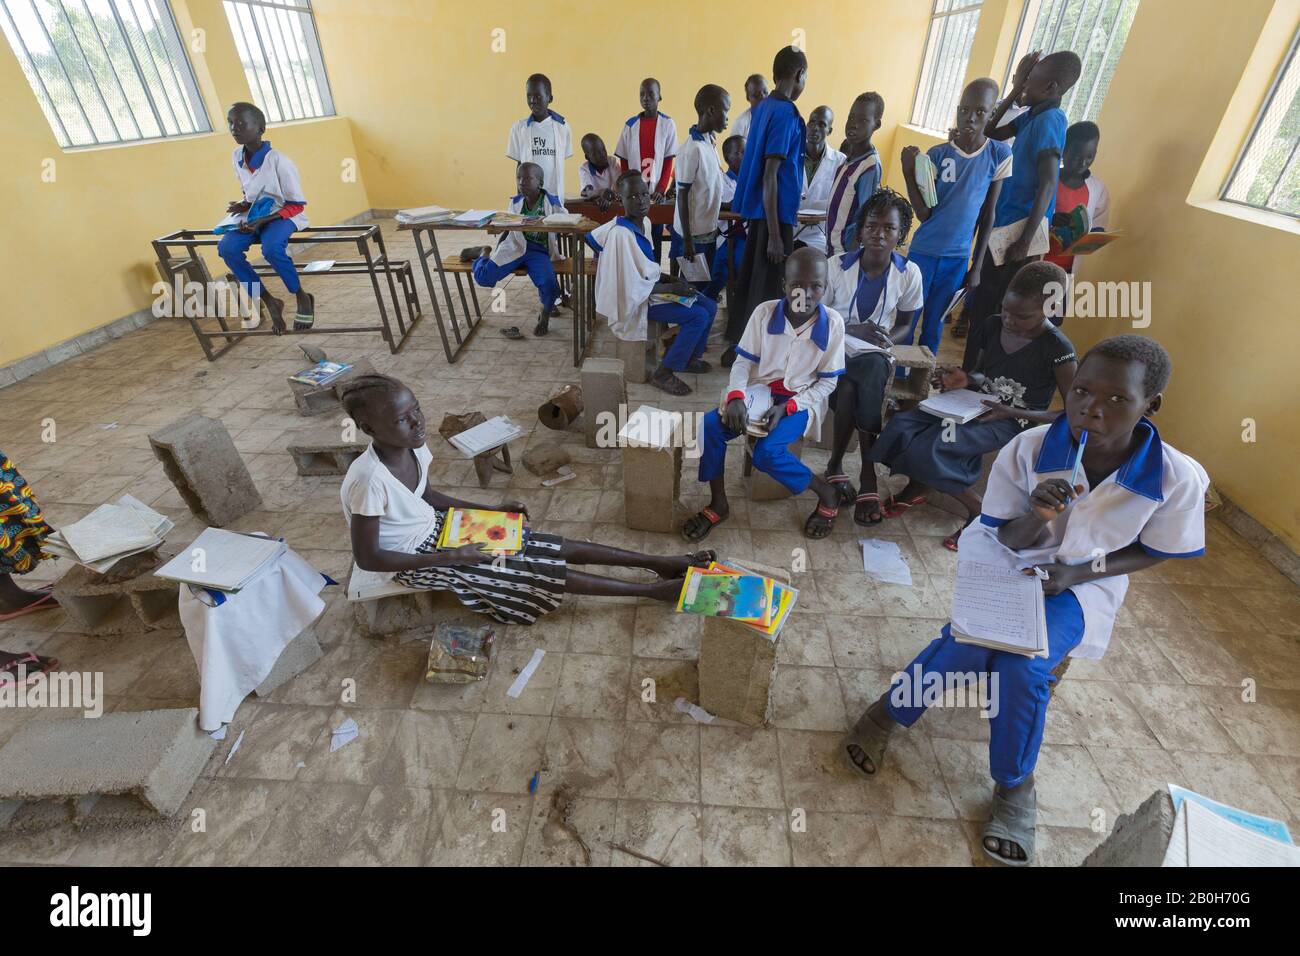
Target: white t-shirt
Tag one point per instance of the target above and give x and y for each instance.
(405, 518)
(1156, 498)
(547, 144)
(698, 167)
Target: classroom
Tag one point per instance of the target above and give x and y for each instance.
(967, 288)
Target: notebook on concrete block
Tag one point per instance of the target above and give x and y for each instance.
(491, 434)
(222, 560)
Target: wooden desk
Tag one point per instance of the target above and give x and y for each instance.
(661, 213)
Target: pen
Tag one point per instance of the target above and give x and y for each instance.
(1078, 458)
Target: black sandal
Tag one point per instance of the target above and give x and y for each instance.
(862, 516)
(844, 486)
(815, 532)
(701, 530)
(512, 332)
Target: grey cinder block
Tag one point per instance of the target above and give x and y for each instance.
(298, 655)
(153, 755)
(1140, 838)
(320, 399)
(763, 487)
(106, 604)
(325, 459)
(603, 392)
(201, 460)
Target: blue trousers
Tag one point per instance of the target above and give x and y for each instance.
(772, 454)
(719, 269)
(696, 321)
(274, 236)
(536, 259)
(1023, 687)
(941, 277)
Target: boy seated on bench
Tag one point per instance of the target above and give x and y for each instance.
(630, 290)
(533, 251)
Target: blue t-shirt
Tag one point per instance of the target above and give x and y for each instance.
(1040, 128)
(962, 183)
(776, 129)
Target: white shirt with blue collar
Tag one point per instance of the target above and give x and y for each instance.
(1156, 498)
(850, 292)
(809, 361)
(273, 175)
(513, 244)
(699, 168)
(626, 273)
(548, 143)
(628, 147)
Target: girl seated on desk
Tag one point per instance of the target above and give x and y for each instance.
(1020, 359)
(395, 517)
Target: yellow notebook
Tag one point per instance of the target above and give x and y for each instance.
(501, 532)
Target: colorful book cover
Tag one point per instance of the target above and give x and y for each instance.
(501, 532)
(739, 597)
(1090, 243)
(322, 373)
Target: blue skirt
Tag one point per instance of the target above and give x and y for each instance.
(913, 444)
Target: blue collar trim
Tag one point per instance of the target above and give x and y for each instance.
(642, 242)
(1142, 474)
(821, 330)
(550, 113)
(258, 158)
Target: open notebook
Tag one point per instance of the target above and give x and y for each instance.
(961, 405)
(999, 606)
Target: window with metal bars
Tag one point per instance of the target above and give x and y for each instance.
(278, 46)
(947, 51)
(1094, 29)
(1267, 173)
(105, 71)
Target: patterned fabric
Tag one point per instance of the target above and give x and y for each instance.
(22, 526)
(515, 589)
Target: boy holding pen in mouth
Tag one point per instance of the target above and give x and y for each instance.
(1082, 513)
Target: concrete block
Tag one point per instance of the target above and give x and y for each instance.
(633, 356)
(738, 664)
(320, 399)
(298, 655)
(405, 612)
(154, 756)
(1139, 838)
(322, 458)
(110, 603)
(603, 392)
(201, 460)
(919, 361)
(763, 487)
(652, 469)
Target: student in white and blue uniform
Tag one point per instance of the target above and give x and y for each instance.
(542, 137)
(699, 179)
(631, 291)
(533, 251)
(968, 179)
(1136, 502)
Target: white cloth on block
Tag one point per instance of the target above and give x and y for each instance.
(236, 644)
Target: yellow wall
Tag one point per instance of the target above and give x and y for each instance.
(431, 103)
(76, 250)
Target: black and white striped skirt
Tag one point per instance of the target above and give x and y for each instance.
(513, 589)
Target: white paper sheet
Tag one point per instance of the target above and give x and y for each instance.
(1213, 840)
(999, 606)
(883, 560)
(344, 734)
(961, 404)
(526, 674)
(693, 270)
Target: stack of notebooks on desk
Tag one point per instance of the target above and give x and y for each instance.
(491, 434)
(500, 532)
(721, 590)
(223, 560)
(563, 219)
(110, 533)
(422, 214)
(322, 373)
(474, 217)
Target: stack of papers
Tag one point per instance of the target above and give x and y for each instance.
(491, 434)
(1208, 833)
(999, 606)
(423, 214)
(734, 593)
(758, 402)
(960, 405)
(650, 427)
(322, 373)
(110, 533)
(563, 219)
(694, 270)
(223, 560)
(474, 217)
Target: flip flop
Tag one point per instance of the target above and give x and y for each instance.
(874, 516)
(821, 511)
(710, 516)
(1013, 822)
(950, 542)
(512, 332)
(844, 486)
(43, 665)
(871, 739)
(45, 602)
(896, 508)
(304, 320)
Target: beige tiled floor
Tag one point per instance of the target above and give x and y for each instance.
(440, 775)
